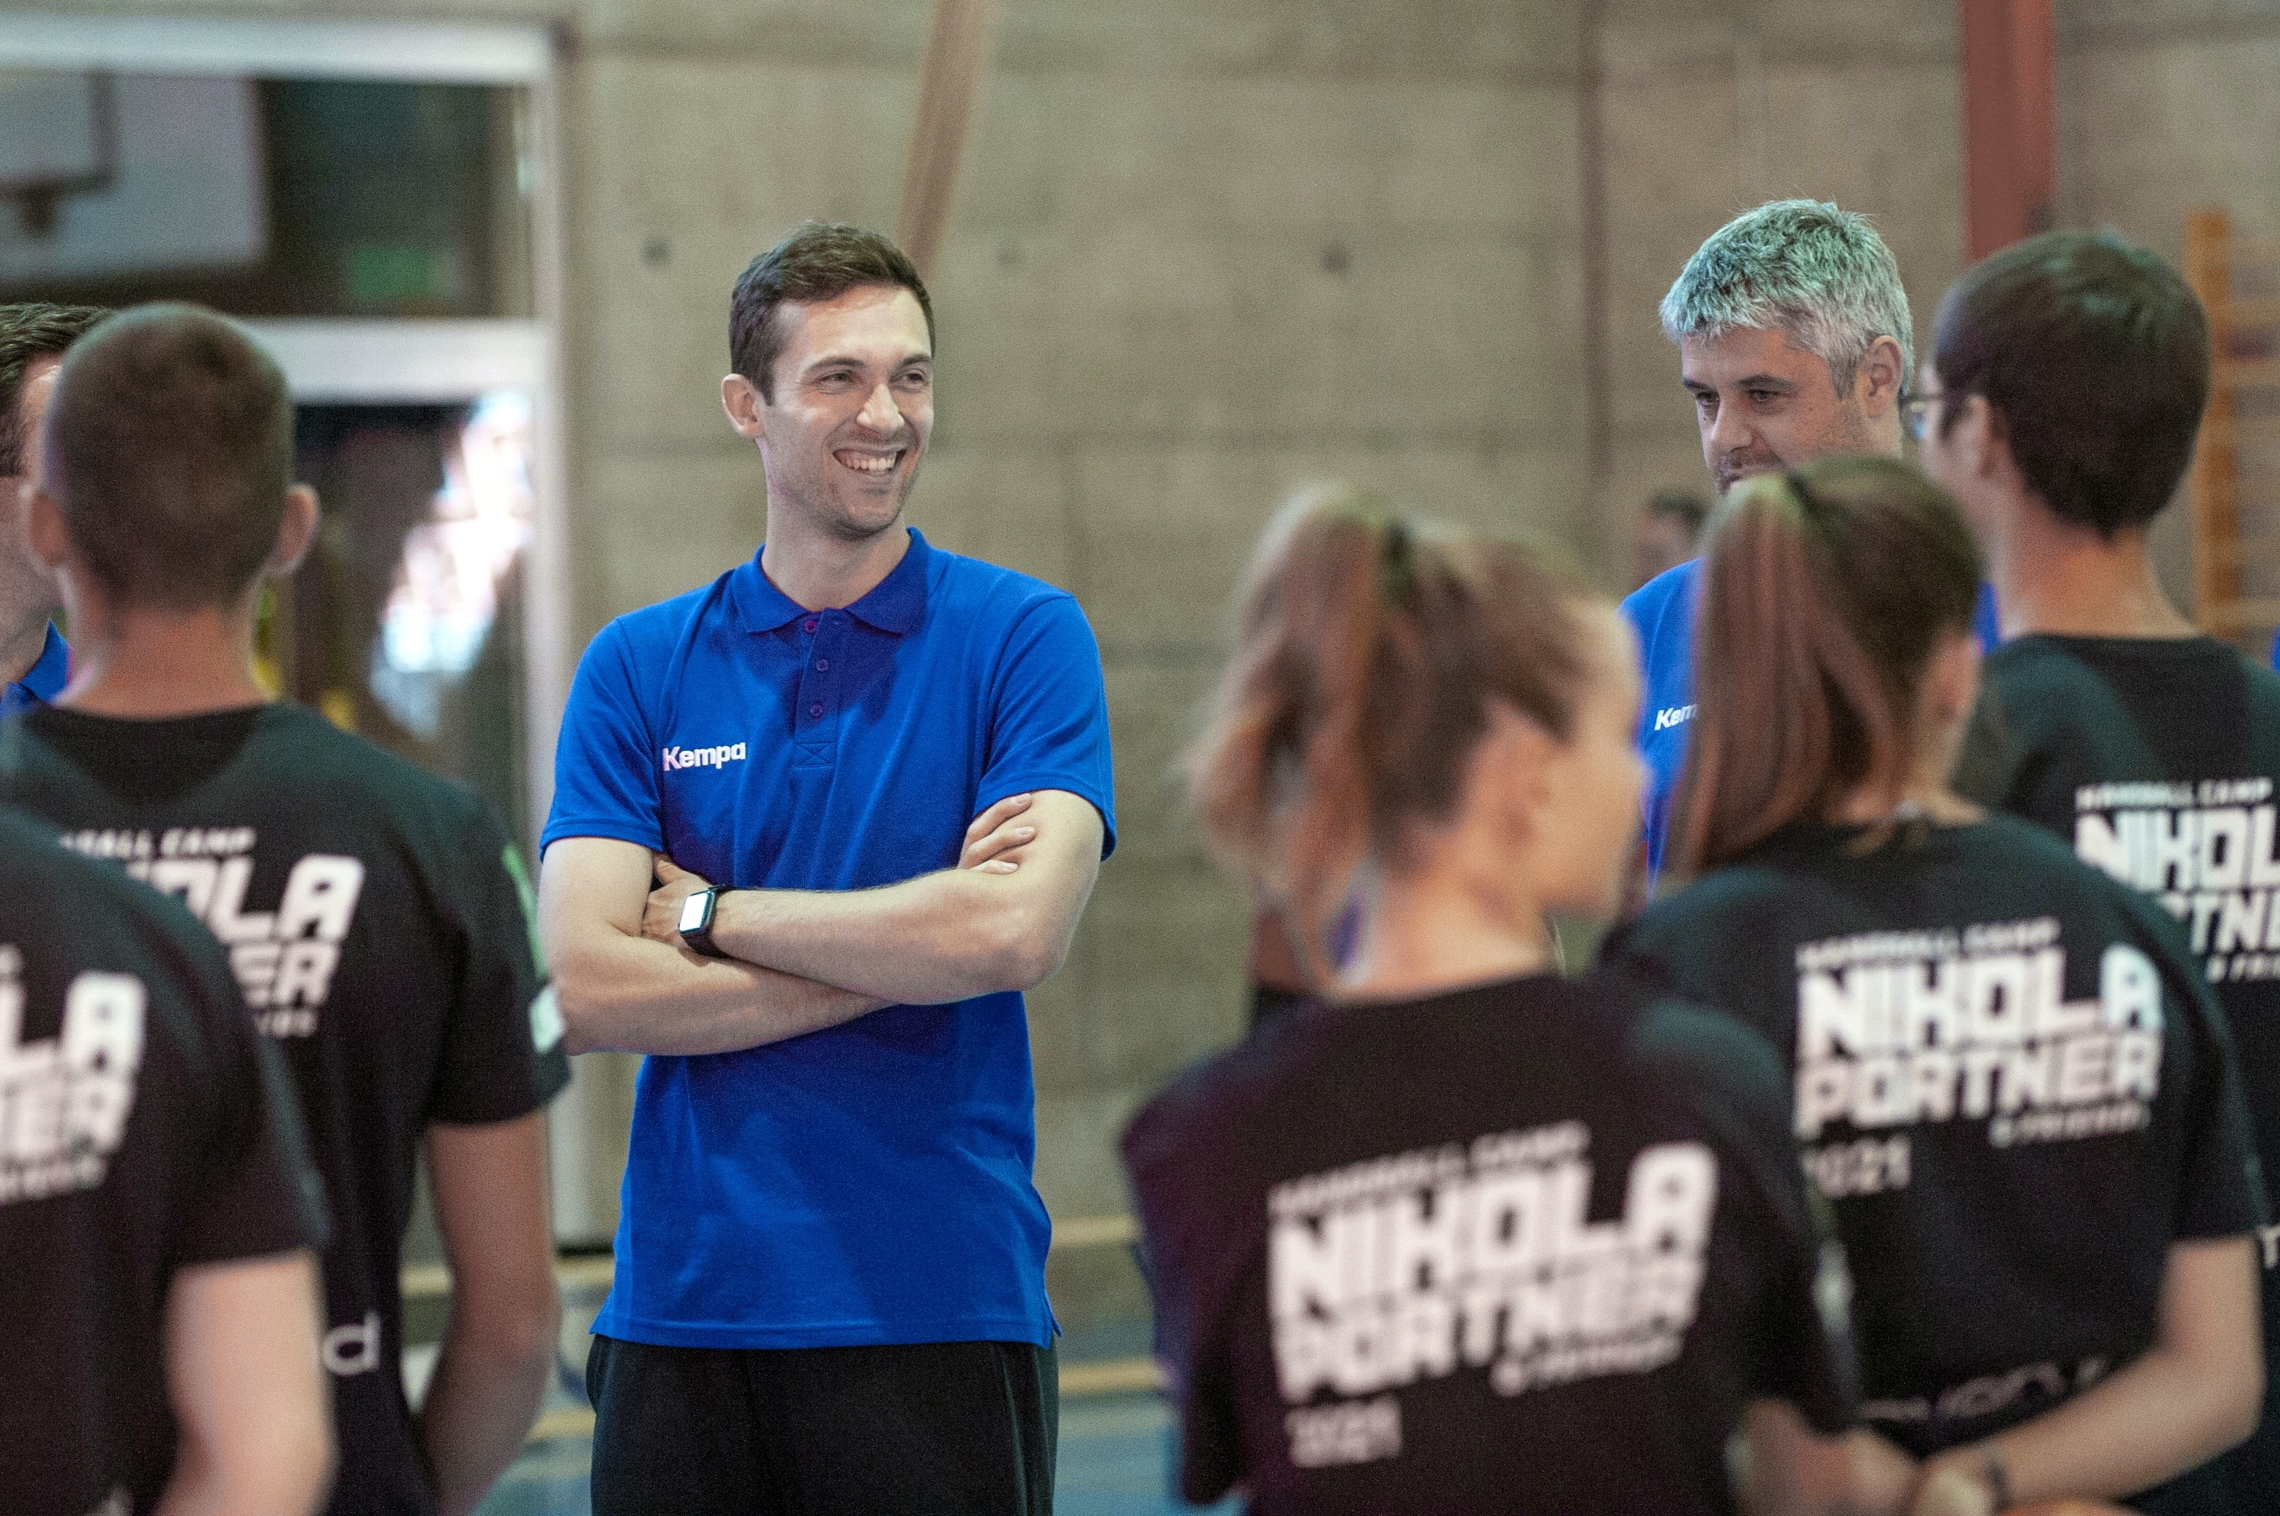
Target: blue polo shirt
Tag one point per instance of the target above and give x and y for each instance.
(869, 1183)
(43, 681)
(1661, 611)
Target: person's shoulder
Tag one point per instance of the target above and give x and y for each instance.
(2011, 848)
(343, 767)
(975, 585)
(1199, 1110)
(1648, 605)
(50, 891)
(653, 630)
(1684, 1050)
(1720, 903)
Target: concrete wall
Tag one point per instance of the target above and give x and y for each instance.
(1205, 250)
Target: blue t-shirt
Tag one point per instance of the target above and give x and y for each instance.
(1661, 611)
(43, 681)
(869, 1183)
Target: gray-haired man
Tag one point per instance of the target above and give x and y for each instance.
(1795, 343)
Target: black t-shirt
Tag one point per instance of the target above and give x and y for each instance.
(2010, 1084)
(143, 1128)
(374, 917)
(1523, 1247)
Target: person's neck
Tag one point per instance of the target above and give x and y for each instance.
(145, 664)
(818, 571)
(1925, 793)
(22, 645)
(2058, 579)
(1426, 933)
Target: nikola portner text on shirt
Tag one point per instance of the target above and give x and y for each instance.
(151, 1163)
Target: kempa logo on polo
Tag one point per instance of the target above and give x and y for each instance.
(702, 757)
(1673, 715)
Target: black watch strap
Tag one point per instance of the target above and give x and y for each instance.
(697, 919)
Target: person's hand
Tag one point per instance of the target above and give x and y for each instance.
(1879, 1473)
(661, 917)
(995, 840)
(1953, 1486)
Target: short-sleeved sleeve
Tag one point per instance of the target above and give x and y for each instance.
(258, 1193)
(1193, 1275)
(1049, 714)
(502, 1040)
(2221, 1187)
(605, 765)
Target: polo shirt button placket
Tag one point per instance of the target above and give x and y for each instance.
(818, 746)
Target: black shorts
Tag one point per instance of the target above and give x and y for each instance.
(932, 1429)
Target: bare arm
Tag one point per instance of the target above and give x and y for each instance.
(1782, 1467)
(623, 990)
(499, 1347)
(940, 937)
(252, 1404)
(2194, 1393)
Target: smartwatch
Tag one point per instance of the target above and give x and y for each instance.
(697, 920)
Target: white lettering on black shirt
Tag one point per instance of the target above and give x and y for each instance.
(1897, 1029)
(64, 1101)
(1413, 1266)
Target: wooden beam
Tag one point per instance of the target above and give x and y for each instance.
(958, 53)
(2010, 132)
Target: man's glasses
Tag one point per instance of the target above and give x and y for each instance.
(1916, 413)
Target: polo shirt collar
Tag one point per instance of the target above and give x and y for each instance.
(44, 680)
(895, 604)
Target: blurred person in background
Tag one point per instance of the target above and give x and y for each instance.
(374, 914)
(2060, 404)
(2011, 1084)
(34, 661)
(158, 1218)
(1795, 343)
(817, 825)
(1667, 533)
(1371, 1231)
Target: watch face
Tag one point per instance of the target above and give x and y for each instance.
(693, 912)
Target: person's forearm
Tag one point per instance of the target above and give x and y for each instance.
(480, 1406)
(938, 938)
(629, 994)
(2161, 1415)
(279, 1470)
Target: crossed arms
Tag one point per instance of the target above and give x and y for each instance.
(802, 960)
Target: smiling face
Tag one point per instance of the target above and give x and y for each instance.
(1763, 402)
(852, 408)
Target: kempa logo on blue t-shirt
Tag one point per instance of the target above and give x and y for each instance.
(702, 757)
(1672, 715)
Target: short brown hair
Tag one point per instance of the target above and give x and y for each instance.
(2096, 356)
(1825, 593)
(169, 450)
(29, 333)
(820, 260)
(1368, 649)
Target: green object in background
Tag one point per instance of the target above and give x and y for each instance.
(381, 273)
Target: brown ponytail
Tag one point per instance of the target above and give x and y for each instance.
(1825, 593)
(1367, 648)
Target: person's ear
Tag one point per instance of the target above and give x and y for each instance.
(1951, 684)
(740, 397)
(50, 536)
(1976, 434)
(1883, 373)
(296, 531)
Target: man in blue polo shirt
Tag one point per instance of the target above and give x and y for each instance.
(816, 826)
(1794, 342)
(33, 659)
